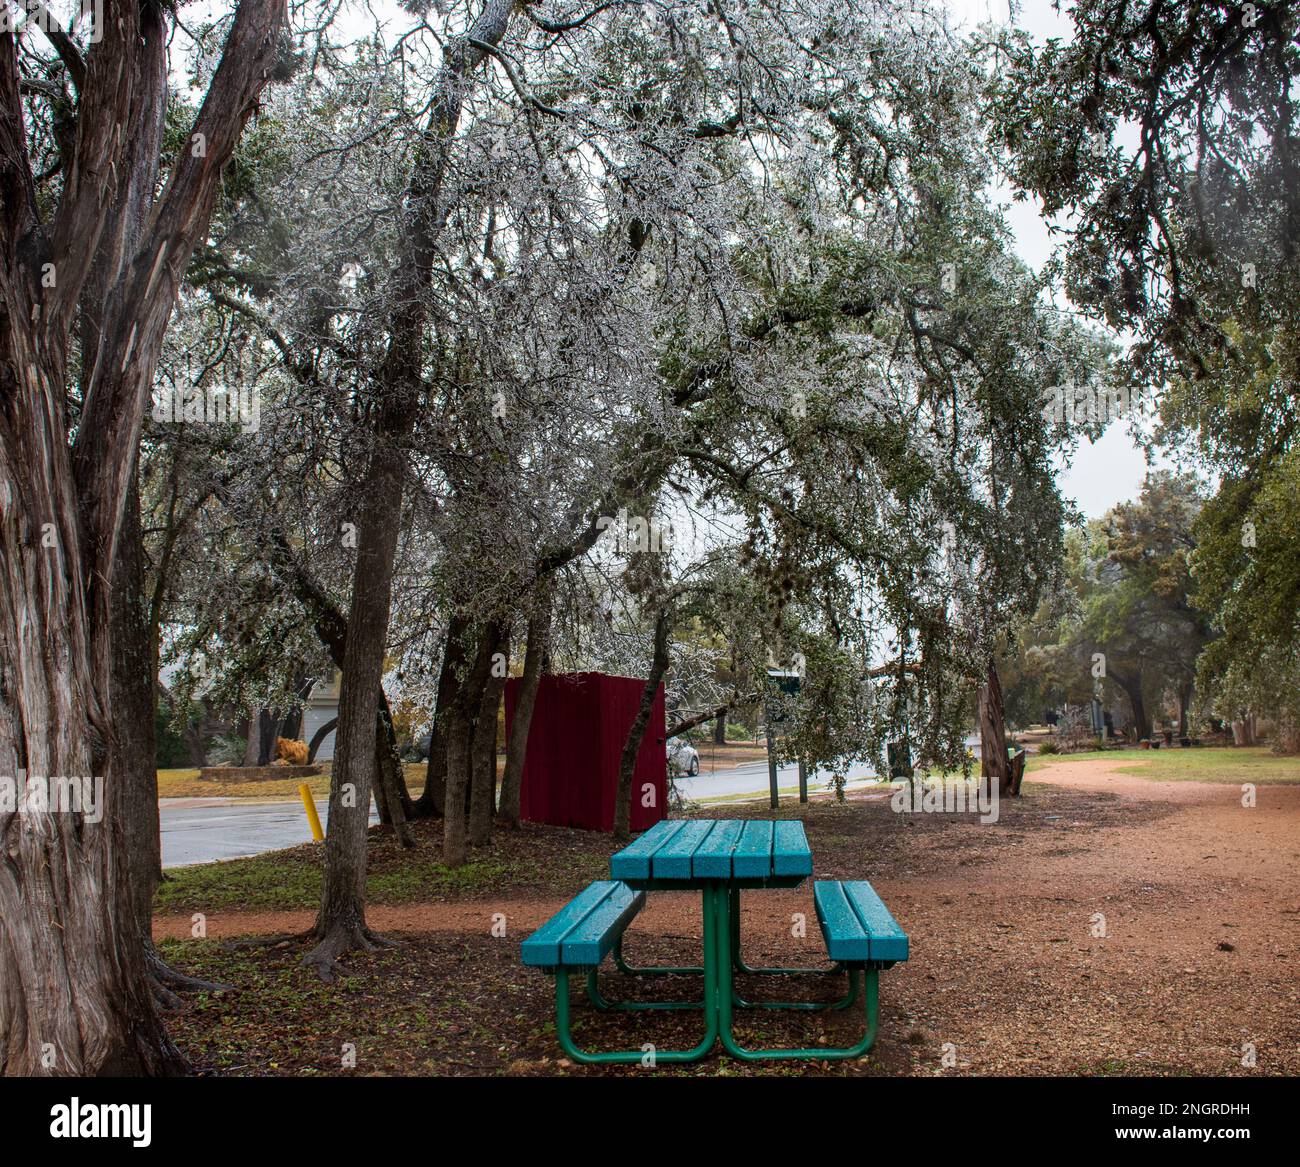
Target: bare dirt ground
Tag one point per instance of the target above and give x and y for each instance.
(1106, 924)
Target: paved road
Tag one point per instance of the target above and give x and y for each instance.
(201, 830)
(751, 779)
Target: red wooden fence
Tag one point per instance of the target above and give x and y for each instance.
(580, 723)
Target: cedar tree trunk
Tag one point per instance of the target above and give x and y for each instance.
(539, 633)
(993, 733)
(74, 989)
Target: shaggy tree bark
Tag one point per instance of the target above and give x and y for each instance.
(460, 748)
(993, 734)
(539, 638)
(636, 732)
(74, 988)
(431, 801)
(483, 763)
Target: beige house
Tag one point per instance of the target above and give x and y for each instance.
(321, 710)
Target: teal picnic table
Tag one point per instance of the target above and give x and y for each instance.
(720, 858)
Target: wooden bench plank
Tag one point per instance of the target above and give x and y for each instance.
(633, 861)
(543, 946)
(791, 854)
(590, 939)
(752, 858)
(673, 859)
(712, 860)
(888, 940)
(846, 938)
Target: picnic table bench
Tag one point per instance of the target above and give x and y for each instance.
(720, 858)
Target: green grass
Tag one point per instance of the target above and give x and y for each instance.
(286, 880)
(188, 784)
(758, 796)
(1206, 764)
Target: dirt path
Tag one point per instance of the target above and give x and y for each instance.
(1110, 925)
(1202, 921)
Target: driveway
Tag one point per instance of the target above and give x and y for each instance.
(751, 780)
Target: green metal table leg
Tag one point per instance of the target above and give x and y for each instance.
(714, 946)
(651, 970)
(598, 999)
(738, 962)
(724, 999)
(844, 1002)
(738, 965)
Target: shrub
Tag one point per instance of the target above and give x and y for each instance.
(293, 752)
(1050, 746)
(227, 750)
(170, 747)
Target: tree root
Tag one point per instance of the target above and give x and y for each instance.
(275, 941)
(163, 978)
(339, 938)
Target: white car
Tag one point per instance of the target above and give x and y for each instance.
(683, 758)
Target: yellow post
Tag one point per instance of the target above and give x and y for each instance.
(312, 816)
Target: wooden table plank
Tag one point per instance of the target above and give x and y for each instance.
(846, 938)
(712, 860)
(791, 854)
(887, 940)
(633, 861)
(543, 946)
(673, 859)
(752, 858)
(591, 938)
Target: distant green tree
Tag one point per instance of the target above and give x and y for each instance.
(1127, 621)
(1190, 239)
(1247, 567)
(1151, 542)
(1037, 675)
